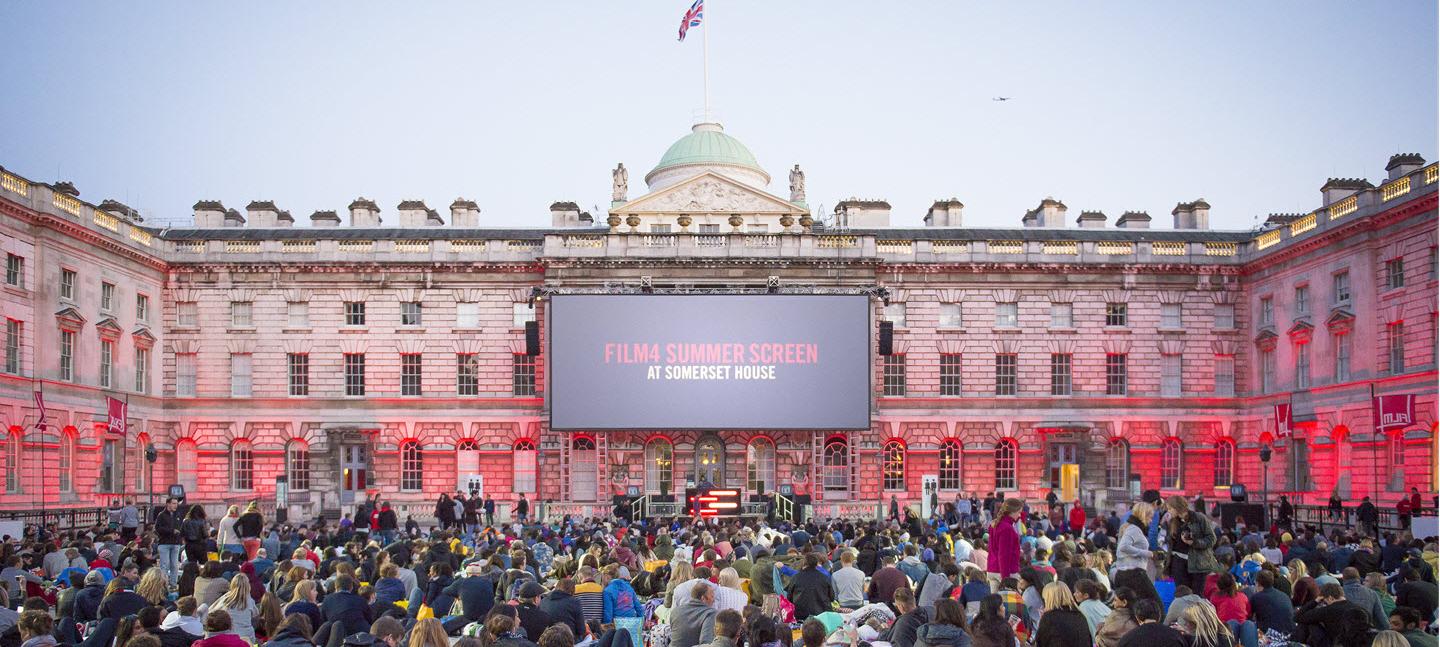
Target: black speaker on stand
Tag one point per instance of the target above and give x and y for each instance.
(532, 338)
(887, 338)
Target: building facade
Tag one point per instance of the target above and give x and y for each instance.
(391, 360)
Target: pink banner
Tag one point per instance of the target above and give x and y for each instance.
(1393, 411)
(1283, 421)
(119, 411)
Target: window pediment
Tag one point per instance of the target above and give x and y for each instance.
(1340, 321)
(70, 319)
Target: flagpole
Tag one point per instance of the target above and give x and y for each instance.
(705, 57)
(1375, 438)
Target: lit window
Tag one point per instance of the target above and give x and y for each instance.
(187, 314)
(1394, 273)
(950, 374)
(1007, 315)
(1340, 286)
(467, 374)
(410, 374)
(524, 466)
(67, 284)
(1302, 366)
(241, 314)
(298, 367)
(410, 313)
(522, 375)
(659, 466)
(950, 316)
(1060, 366)
(297, 314)
(354, 313)
(67, 461)
(1170, 464)
(242, 466)
(297, 465)
(760, 466)
(894, 465)
(1117, 314)
(1343, 349)
(1170, 375)
(13, 331)
(1396, 340)
(1224, 463)
(1116, 374)
(521, 314)
(15, 270)
(67, 355)
(1224, 316)
(1224, 375)
(354, 374)
(240, 375)
(185, 374)
(1005, 465)
(895, 313)
(1062, 315)
(1170, 316)
(467, 315)
(1302, 300)
(107, 296)
(894, 376)
(950, 464)
(412, 467)
(107, 363)
(1117, 465)
(1005, 374)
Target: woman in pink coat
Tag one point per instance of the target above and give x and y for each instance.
(1005, 540)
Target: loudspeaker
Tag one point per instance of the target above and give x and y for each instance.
(887, 338)
(532, 338)
(1237, 493)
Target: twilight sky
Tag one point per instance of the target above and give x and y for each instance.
(1117, 105)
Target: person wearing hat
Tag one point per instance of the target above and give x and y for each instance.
(476, 593)
(533, 619)
(87, 600)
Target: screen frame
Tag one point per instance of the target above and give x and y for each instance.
(870, 326)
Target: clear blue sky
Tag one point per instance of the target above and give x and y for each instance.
(1118, 105)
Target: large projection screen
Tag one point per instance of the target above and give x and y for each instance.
(661, 361)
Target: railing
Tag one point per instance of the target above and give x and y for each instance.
(1320, 516)
(710, 240)
(1267, 239)
(575, 242)
(412, 246)
(1115, 247)
(838, 242)
(66, 203)
(242, 246)
(1066, 247)
(533, 245)
(1345, 207)
(14, 184)
(1303, 224)
(784, 507)
(1221, 249)
(1167, 248)
(190, 246)
(1395, 189)
(467, 245)
(357, 246)
(104, 220)
(762, 240)
(297, 246)
(140, 236)
(1004, 246)
(1432, 173)
(70, 519)
(950, 246)
(895, 246)
(657, 240)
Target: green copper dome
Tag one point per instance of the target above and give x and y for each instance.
(707, 143)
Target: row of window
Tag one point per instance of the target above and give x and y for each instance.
(1344, 346)
(1062, 315)
(659, 464)
(412, 465)
(1117, 374)
(297, 314)
(14, 329)
(297, 367)
(112, 471)
(69, 285)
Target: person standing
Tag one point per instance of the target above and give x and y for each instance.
(249, 526)
(1369, 517)
(1005, 540)
(225, 536)
(167, 539)
(489, 510)
(388, 524)
(196, 531)
(522, 509)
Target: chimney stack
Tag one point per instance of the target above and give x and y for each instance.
(262, 213)
(209, 214)
(1339, 188)
(1192, 215)
(118, 208)
(233, 219)
(364, 213)
(857, 212)
(1050, 213)
(945, 213)
(1091, 220)
(565, 214)
(324, 219)
(1133, 220)
(1402, 164)
(464, 213)
(413, 213)
(284, 219)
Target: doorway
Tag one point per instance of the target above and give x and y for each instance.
(1061, 454)
(354, 470)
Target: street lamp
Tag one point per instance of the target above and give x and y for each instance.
(1265, 484)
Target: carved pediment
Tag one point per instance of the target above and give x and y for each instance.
(108, 329)
(708, 193)
(1340, 321)
(1266, 339)
(1301, 331)
(70, 319)
(142, 338)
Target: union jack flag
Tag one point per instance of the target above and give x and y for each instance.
(692, 18)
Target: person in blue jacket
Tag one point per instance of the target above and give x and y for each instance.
(621, 601)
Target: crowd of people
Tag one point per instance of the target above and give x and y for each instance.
(991, 573)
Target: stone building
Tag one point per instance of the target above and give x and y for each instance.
(353, 357)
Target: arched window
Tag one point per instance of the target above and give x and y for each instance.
(13, 442)
(67, 460)
(142, 466)
(950, 464)
(524, 466)
(186, 460)
(1005, 465)
(467, 445)
(412, 467)
(1224, 463)
(659, 464)
(760, 466)
(835, 475)
(584, 469)
(297, 465)
(710, 461)
(1170, 465)
(1117, 464)
(894, 465)
(242, 466)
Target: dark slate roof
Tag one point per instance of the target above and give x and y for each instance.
(462, 202)
(259, 205)
(1190, 206)
(413, 205)
(285, 215)
(1399, 159)
(863, 204)
(325, 215)
(67, 188)
(383, 233)
(209, 205)
(1347, 183)
(1039, 233)
(952, 202)
(564, 206)
(368, 204)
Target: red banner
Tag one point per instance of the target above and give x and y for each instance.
(1283, 421)
(40, 404)
(119, 411)
(1393, 411)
